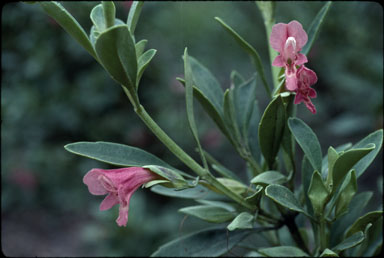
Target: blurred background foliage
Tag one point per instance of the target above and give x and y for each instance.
(54, 93)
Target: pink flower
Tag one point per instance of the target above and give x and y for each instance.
(305, 78)
(119, 184)
(288, 40)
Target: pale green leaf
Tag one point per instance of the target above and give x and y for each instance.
(69, 24)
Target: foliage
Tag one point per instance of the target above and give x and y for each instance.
(264, 140)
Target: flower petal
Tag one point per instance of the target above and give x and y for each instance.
(295, 30)
(312, 93)
(279, 61)
(310, 106)
(298, 98)
(301, 59)
(94, 185)
(109, 201)
(291, 81)
(123, 215)
(279, 35)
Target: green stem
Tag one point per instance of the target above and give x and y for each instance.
(267, 9)
(322, 235)
(181, 155)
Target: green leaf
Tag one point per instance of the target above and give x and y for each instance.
(331, 158)
(349, 242)
(363, 221)
(328, 253)
(236, 79)
(205, 243)
(375, 138)
(250, 50)
(315, 26)
(69, 24)
(208, 213)
(140, 46)
(306, 177)
(232, 207)
(347, 191)
(288, 141)
(271, 130)
(207, 84)
(234, 185)
(373, 240)
(307, 140)
(134, 14)
(115, 154)
(97, 18)
(116, 51)
(143, 62)
(356, 207)
(242, 221)
(318, 193)
(282, 251)
(253, 132)
(174, 177)
(230, 118)
(256, 196)
(244, 96)
(109, 11)
(198, 192)
(269, 178)
(345, 162)
(283, 196)
(93, 34)
(189, 105)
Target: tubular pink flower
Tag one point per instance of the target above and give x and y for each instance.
(288, 40)
(119, 184)
(305, 78)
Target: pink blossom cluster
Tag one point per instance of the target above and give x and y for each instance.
(288, 40)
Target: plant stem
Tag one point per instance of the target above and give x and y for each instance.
(292, 227)
(267, 9)
(181, 155)
(322, 235)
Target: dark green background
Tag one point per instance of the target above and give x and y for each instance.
(54, 93)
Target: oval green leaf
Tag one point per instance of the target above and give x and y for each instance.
(271, 130)
(349, 242)
(115, 154)
(282, 251)
(242, 221)
(117, 53)
(307, 140)
(363, 221)
(374, 138)
(143, 62)
(317, 193)
(345, 162)
(209, 213)
(283, 196)
(269, 178)
(69, 24)
(206, 243)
